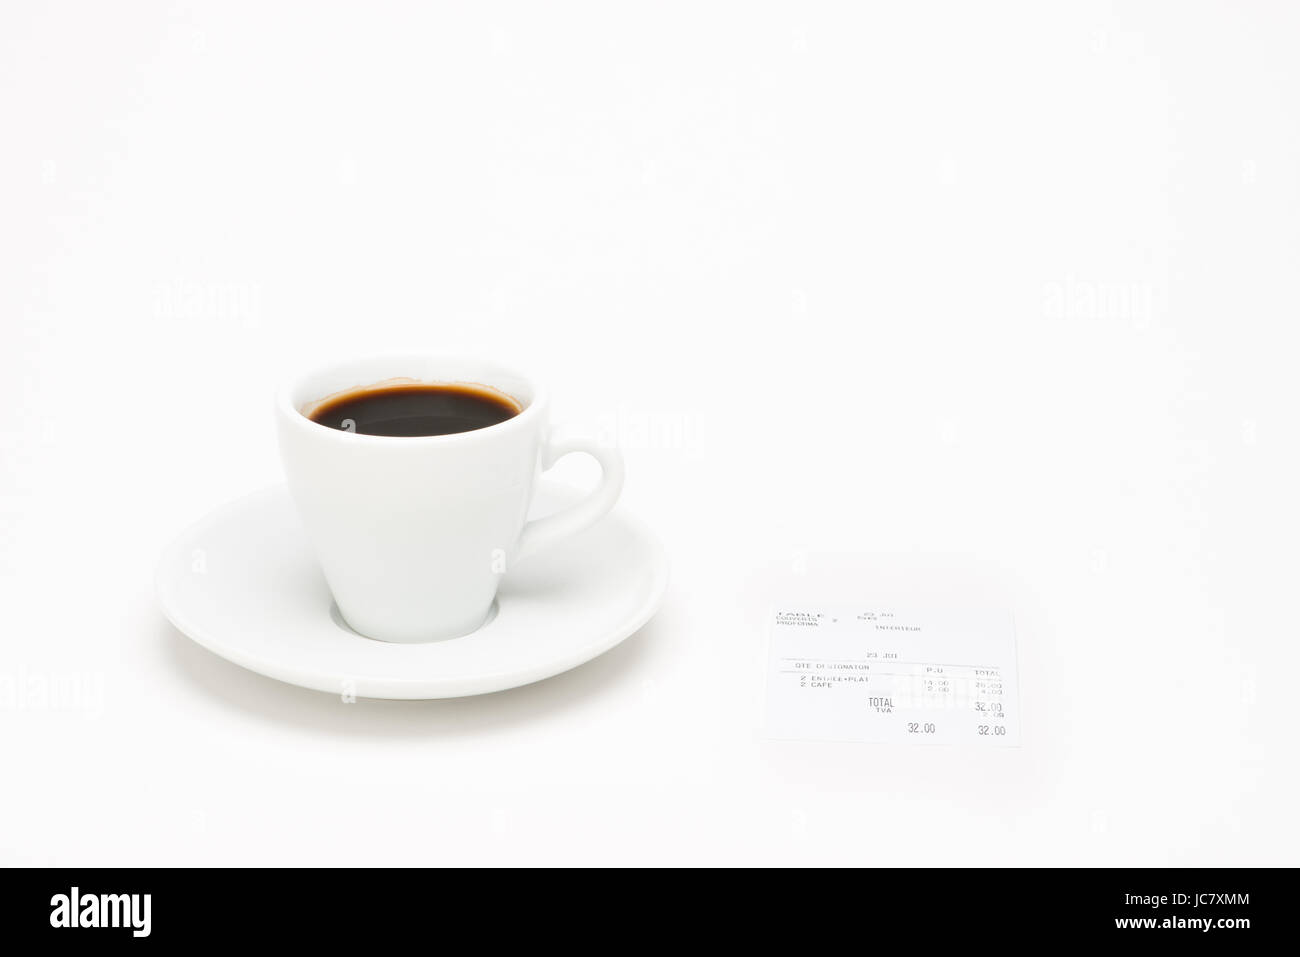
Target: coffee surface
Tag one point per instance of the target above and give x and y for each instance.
(415, 410)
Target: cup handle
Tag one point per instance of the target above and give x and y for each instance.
(543, 532)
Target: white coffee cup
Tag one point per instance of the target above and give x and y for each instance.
(414, 533)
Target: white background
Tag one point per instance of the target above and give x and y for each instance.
(997, 299)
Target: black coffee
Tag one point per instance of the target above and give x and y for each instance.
(415, 410)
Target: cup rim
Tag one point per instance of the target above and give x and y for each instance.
(291, 414)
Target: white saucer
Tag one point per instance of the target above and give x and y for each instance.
(243, 584)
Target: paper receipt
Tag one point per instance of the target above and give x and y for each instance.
(882, 673)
